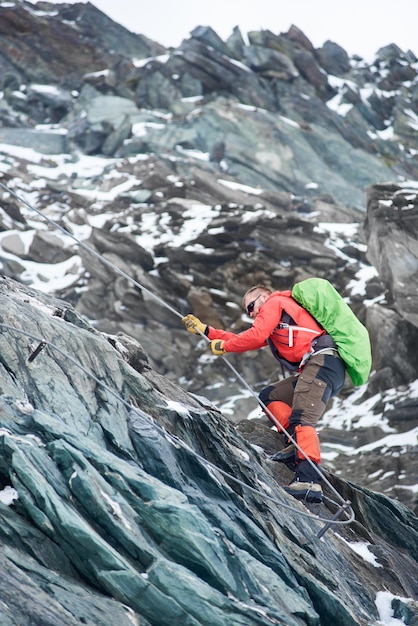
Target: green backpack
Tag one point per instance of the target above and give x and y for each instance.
(325, 304)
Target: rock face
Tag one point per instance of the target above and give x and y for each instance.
(391, 228)
(78, 39)
(123, 516)
(139, 184)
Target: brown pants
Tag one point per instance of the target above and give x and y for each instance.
(301, 400)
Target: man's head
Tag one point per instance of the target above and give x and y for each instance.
(254, 298)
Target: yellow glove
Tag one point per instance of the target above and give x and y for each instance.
(217, 347)
(194, 325)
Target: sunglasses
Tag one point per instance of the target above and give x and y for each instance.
(251, 305)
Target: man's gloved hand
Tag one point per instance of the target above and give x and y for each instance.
(194, 325)
(217, 347)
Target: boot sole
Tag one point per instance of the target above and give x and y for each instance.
(306, 495)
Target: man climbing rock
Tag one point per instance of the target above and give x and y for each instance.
(298, 401)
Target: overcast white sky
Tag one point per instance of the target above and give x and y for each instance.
(359, 26)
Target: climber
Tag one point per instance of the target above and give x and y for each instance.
(299, 400)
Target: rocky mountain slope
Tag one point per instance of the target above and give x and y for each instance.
(139, 503)
(139, 184)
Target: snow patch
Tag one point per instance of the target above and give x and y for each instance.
(383, 602)
(362, 549)
(8, 495)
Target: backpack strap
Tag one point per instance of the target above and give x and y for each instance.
(292, 327)
(287, 322)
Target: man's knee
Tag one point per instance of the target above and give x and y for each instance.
(264, 395)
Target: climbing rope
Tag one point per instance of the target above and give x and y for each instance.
(345, 505)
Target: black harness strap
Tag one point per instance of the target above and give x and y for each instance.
(285, 320)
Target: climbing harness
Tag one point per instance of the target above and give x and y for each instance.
(345, 505)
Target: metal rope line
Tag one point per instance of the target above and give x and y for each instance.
(178, 314)
(175, 440)
(91, 251)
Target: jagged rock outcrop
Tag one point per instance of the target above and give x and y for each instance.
(289, 115)
(392, 247)
(57, 44)
(391, 230)
(121, 518)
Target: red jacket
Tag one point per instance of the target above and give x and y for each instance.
(265, 326)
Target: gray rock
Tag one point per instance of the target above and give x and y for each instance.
(333, 58)
(391, 228)
(270, 63)
(47, 247)
(236, 44)
(41, 141)
(117, 137)
(209, 37)
(72, 41)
